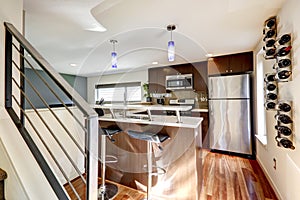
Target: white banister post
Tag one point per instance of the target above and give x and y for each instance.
(92, 158)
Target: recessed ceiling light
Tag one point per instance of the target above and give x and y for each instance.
(209, 55)
(73, 65)
(154, 63)
(97, 28)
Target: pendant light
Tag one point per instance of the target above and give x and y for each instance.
(113, 54)
(171, 44)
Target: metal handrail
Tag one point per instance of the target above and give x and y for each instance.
(47, 147)
(49, 87)
(51, 110)
(52, 133)
(91, 118)
(61, 82)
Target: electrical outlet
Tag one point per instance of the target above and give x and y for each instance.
(274, 163)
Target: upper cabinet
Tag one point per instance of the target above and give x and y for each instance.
(234, 63)
(157, 79)
(157, 76)
(200, 76)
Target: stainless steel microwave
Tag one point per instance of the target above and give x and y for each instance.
(179, 82)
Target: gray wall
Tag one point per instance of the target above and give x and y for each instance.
(78, 83)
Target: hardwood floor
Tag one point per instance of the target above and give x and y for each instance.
(224, 178)
(233, 178)
(124, 193)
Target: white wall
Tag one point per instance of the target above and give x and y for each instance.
(10, 11)
(132, 76)
(286, 177)
(13, 187)
(62, 136)
(16, 158)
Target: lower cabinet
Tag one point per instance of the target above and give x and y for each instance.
(205, 124)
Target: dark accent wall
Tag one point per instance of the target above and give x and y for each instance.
(77, 82)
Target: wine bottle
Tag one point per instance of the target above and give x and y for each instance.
(270, 52)
(270, 105)
(269, 77)
(271, 87)
(284, 63)
(284, 107)
(270, 33)
(284, 74)
(284, 142)
(270, 23)
(270, 43)
(283, 130)
(284, 39)
(284, 51)
(271, 96)
(283, 118)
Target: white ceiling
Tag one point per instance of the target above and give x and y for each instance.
(62, 31)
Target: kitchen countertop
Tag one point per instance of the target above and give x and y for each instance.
(146, 107)
(162, 120)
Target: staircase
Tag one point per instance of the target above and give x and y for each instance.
(54, 144)
(3, 176)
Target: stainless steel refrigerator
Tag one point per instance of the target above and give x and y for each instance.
(230, 113)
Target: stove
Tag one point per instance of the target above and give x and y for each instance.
(186, 102)
(181, 102)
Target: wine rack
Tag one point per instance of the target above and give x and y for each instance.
(270, 33)
(284, 125)
(271, 93)
(280, 50)
(283, 65)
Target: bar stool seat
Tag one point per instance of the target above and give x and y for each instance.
(150, 138)
(107, 190)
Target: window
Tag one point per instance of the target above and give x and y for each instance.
(117, 93)
(260, 109)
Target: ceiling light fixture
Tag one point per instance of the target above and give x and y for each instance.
(113, 55)
(154, 63)
(171, 44)
(73, 64)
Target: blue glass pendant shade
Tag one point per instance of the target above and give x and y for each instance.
(171, 51)
(113, 59)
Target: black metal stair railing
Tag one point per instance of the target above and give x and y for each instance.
(16, 46)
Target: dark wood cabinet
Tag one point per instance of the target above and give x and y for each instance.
(183, 68)
(234, 63)
(199, 71)
(156, 78)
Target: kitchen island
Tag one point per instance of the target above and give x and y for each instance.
(180, 156)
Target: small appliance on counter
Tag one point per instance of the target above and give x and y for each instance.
(160, 101)
(183, 102)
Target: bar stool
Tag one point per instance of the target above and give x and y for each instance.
(150, 138)
(107, 191)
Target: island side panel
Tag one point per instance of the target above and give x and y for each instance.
(181, 157)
